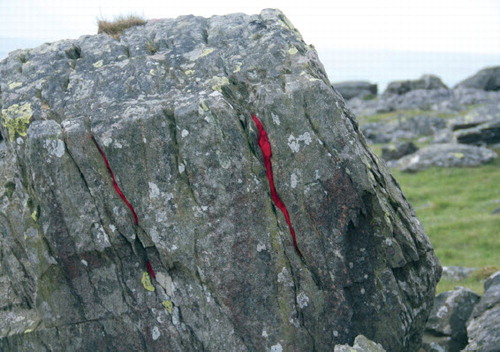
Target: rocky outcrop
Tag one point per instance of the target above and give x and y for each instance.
(483, 327)
(136, 210)
(445, 155)
(446, 327)
(486, 79)
(359, 89)
(426, 82)
(398, 150)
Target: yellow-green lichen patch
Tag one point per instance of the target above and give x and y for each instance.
(146, 282)
(219, 82)
(237, 69)
(16, 119)
(98, 64)
(293, 50)
(169, 306)
(458, 155)
(15, 85)
(207, 51)
(34, 215)
(189, 72)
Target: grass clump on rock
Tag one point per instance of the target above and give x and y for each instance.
(119, 24)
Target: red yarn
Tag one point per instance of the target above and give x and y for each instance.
(267, 153)
(150, 269)
(115, 185)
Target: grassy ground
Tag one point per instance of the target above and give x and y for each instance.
(455, 207)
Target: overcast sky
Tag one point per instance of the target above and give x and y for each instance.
(445, 26)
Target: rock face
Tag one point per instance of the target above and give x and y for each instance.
(427, 82)
(446, 327)
(483, 327)
(136, 212)
(360, 89)
(446, 155)
(486, 79)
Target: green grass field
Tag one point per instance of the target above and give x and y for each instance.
(455, 207)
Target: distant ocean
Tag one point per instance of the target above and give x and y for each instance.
(376, 66)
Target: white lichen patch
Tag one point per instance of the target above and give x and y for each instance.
(155, 333)
(184, 133)
(98, 64)
(261, 247)
(276, 119)
(55, 147)
(154, 191)
(285, 278)
(182, 168)
(302, 300)
(294, 142)
(277, 348)
(293, 180)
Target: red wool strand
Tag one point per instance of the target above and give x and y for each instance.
(115, 185)
(150, 269)
(267, 153)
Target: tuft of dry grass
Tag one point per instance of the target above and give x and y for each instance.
(119, 24)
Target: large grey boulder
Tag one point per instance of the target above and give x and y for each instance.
(485, 133)
(361, 344)
(486, 79)
(352, 89)
(445, 155)
(446, 326)
(483, 327)
(476, 116)
(426, 82)
(199, 257)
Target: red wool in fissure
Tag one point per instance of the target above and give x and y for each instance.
(150, 270)
(115, 185)
(267, 153)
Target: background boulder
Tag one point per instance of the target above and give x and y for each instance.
(426, 82)
(486, 79)
(360, 89)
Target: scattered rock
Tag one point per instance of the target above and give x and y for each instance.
(361, 344)
(426, 82)
(446, 326)
(477, 116)
(446, 155)
(359, 89)
(483, 134)
(398, 150)
(209, 263)
(402, 128)
(487, 79)
(483, 326)
(456, 273)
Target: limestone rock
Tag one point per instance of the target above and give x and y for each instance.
(446, 326)
(209, 263)
(483, 327)
(486, 79)
(446, 155)
(398, 150)
(483, 134)
(353, 89)
(426, 82)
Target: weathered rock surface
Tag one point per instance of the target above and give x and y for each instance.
(426, 82)
(446, 155)
(485, 133)
(456, 273)
(402, 128)
(398, 150)
(446, 327)
(475, 117)
(361, 344)
(210, 263)
(483, 327)
(361, 89)
(486, 79)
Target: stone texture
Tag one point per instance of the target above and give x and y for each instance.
(477, 116)
(446, 326)
(170, 105)
(483, 134)
(487, 79)
(353, 89)
(361, 344)
(483, 327)
(426, 82)
(445, 155)
(456, 273)
(398, 150)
